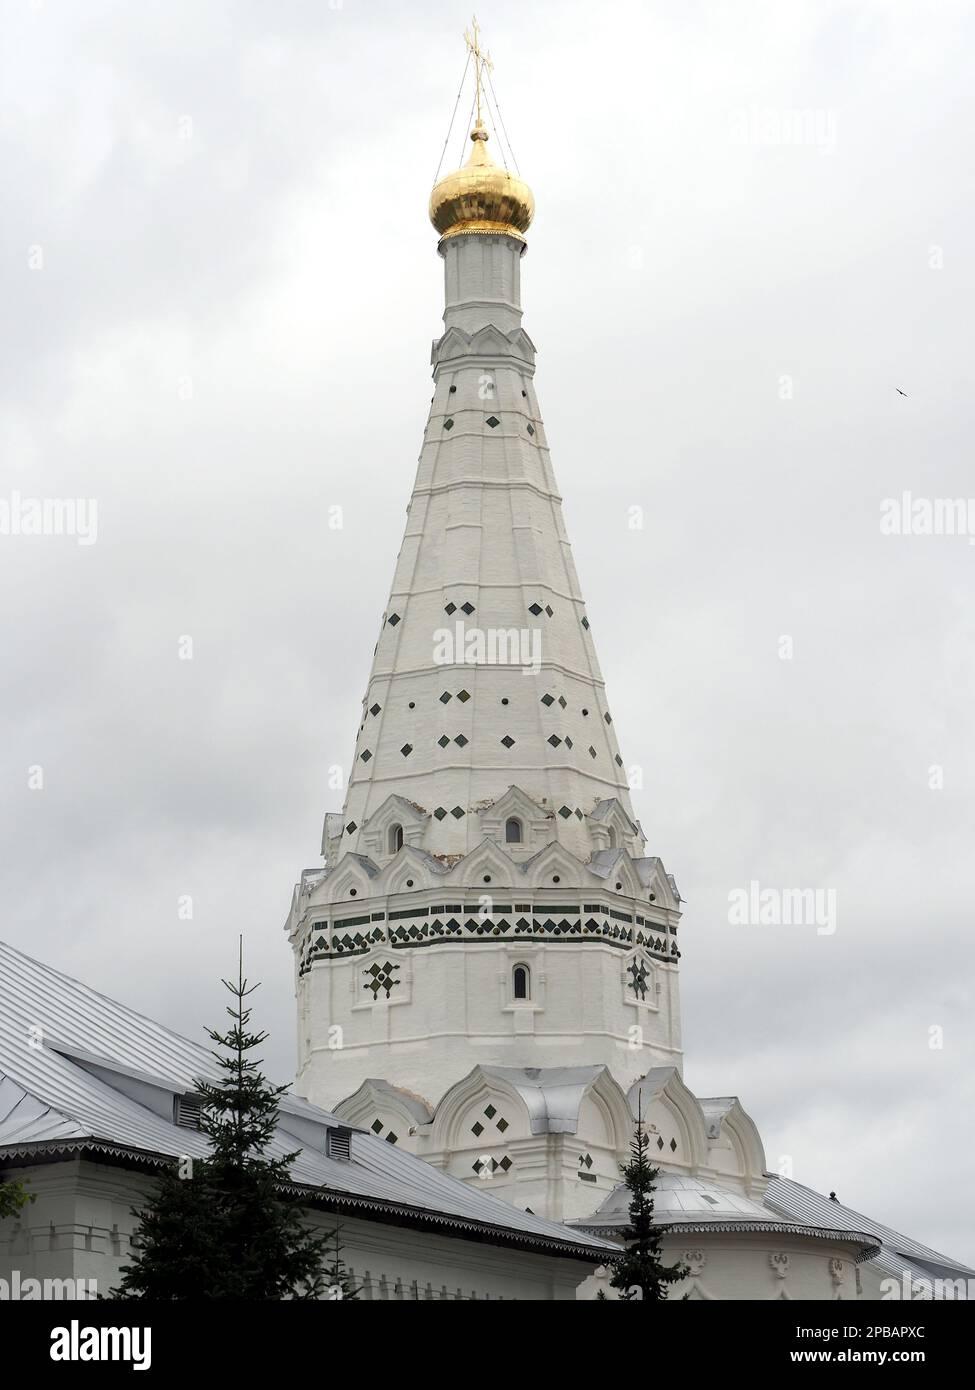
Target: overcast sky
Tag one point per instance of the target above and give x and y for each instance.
(219, 287)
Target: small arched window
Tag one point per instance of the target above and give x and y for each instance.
(395, 838)
(512, 831)
(614, 840)
(521, 982)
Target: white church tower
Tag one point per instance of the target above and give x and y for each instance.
(487, 894)
(487, 964)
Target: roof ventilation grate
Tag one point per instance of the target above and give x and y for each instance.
(187, 1111)
(338, 1144)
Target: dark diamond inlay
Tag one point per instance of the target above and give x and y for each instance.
(382, 979)
(535, 608)
(374, 709)
(638, 978)
(443, 740)
(493, 421)
(463, 696)
(406, 750)
(508, 741)
(457, 812)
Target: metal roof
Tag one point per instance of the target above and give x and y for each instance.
(80, 1071)
(801, 1203)
(699, 1205)
(552, 1095)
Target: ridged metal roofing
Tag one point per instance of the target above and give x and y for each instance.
(803, 1204)
(700, 1204)
(78, 1068)
(552, 1095)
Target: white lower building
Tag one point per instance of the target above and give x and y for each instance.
(94, 1098)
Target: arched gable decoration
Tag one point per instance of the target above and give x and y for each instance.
(537, 824)
(411, 870)
(399, 1112)
(352, 871)
(394, 811)
(550, 1100)
(611, 827)
(657, 881)
(725, 1115)
(486, 860)
(456, 347)
(664, 1085)
(556, 859)
(453, 1128)
(615, 866)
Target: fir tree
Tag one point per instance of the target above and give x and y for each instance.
(341, 1284)
(224, 1226)
(640, 1273)
(14, 1197)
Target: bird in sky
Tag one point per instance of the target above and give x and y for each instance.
(899, 391)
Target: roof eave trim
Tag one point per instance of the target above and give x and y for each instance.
(500, 1235)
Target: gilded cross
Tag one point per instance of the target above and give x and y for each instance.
(482, 59)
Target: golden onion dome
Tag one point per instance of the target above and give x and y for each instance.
(481, 197)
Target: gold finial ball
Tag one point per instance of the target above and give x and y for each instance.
(481, 198)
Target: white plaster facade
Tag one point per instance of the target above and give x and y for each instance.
(488, 820)
(80, 1229)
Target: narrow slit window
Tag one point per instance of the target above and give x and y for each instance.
(521, 981)
(512, 831)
